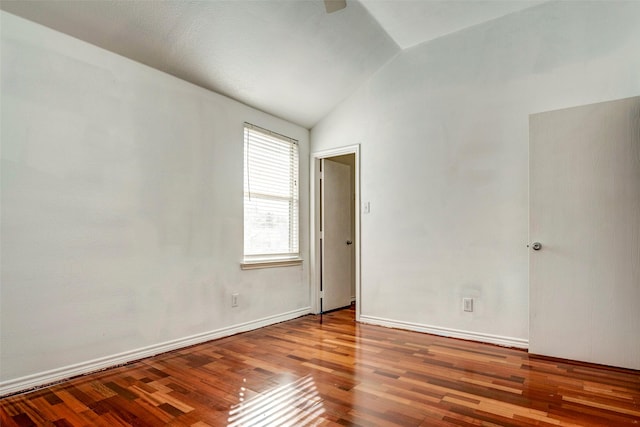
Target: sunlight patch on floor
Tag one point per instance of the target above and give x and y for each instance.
(294, 404)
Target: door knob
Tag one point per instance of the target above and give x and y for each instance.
(349, 242)
(536, 246)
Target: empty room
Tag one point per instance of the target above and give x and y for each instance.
(320, 213)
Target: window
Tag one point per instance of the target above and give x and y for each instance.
(270, 195)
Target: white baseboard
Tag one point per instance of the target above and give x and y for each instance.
(59, 374)
(447, 332)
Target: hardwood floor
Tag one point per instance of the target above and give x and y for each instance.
(303, 373)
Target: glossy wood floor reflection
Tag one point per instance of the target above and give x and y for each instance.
(303, 373)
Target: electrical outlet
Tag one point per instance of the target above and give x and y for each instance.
(234, 300)
(467, 304)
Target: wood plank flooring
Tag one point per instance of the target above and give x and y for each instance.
(303, 373)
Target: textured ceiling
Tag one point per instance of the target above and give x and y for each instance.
(286, 57)
(411, 22)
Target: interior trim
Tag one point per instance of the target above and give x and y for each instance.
(314, 229)
(448, 332)
(252, 265)
(59, 374)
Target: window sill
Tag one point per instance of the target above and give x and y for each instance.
(270, 263)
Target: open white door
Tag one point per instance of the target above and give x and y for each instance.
(338, 238)
(585, 213)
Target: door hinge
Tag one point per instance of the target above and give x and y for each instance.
(321, 235)
(321, 174)
(321, 294)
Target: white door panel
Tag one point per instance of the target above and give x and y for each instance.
(336, 219)
(585, 211)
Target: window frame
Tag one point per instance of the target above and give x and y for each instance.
(272, 259)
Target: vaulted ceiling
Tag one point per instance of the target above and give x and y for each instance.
(286, 57)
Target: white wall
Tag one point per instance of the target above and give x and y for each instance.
(122, 211)
(443, 129)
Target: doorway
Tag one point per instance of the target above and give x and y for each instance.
(335, 257)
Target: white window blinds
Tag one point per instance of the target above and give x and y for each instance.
(270, 194)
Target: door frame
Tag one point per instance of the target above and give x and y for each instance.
(315, 262)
